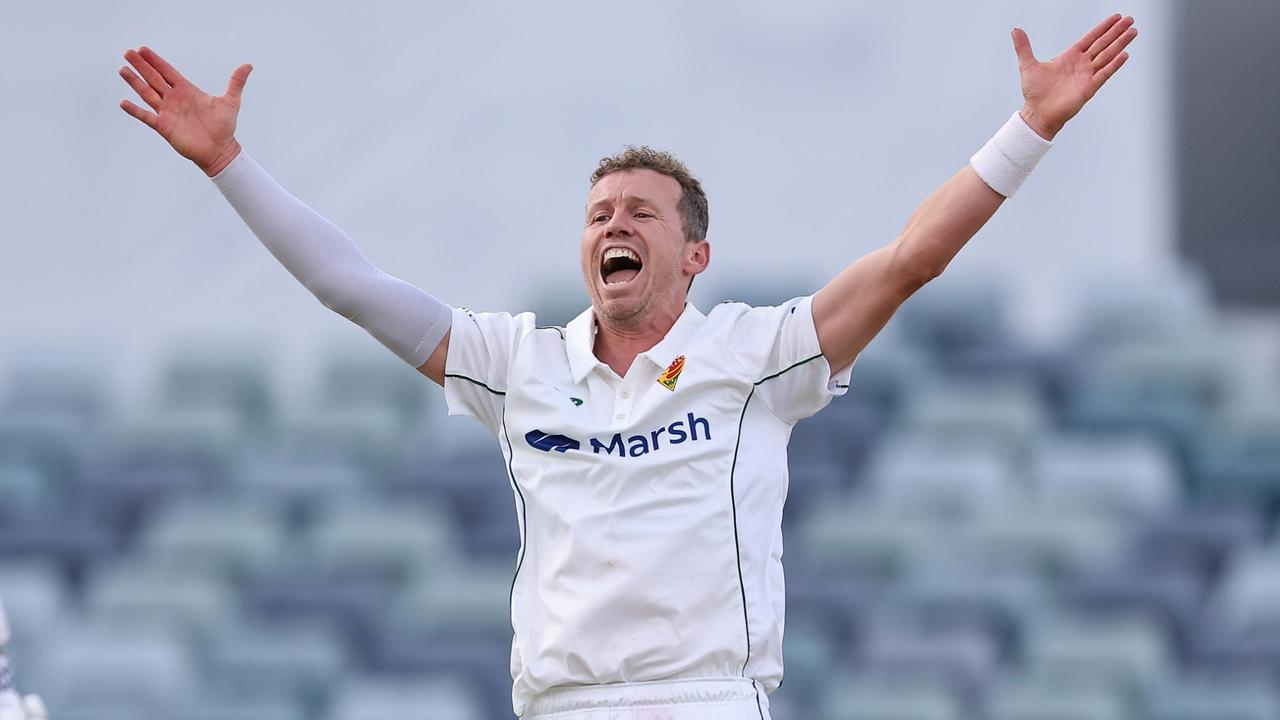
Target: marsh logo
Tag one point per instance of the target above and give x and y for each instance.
(677, 433)
(548, 443)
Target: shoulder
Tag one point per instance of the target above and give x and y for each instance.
(514, 325)
(742, 318)
(766, 338)
(727, 312)
(551, 331)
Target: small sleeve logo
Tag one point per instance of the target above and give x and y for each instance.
(669, 377)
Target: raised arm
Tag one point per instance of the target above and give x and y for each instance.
(408, 321)
(851, 309)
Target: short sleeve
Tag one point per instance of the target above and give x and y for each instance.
(481, 348)
(778, 347)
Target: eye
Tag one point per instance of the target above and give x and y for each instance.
(601, 217)
(644, 214)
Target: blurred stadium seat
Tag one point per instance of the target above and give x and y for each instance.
(407, 699)
(290, 663)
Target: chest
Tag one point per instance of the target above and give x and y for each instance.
(653, 414)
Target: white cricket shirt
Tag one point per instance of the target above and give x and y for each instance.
(649, 506)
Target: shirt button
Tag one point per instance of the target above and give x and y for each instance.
(621, 416)
(626, 393)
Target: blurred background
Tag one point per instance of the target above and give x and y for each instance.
(1050, 492)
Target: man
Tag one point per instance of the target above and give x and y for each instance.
(645, 442)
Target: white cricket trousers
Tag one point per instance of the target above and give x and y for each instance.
(691, 699)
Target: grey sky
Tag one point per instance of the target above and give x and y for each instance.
(453, 143)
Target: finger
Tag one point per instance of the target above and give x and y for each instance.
(144, 90)
(1105, 73)
(1108, 37)
(1083, 43)
(235, 87)
(168, 71)
(1106, 56)
(143, 115)
(1022, 46)
(148, 73)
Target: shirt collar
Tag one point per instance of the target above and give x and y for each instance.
(580, 335)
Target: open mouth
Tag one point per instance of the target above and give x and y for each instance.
(619, 265)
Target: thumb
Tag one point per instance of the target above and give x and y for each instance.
(1022, 46)
(236, 85)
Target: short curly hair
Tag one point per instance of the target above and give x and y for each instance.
(693, 201)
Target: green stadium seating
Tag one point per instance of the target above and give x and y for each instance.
(23, 487)
(375, 379)
(1001, 412)
(381, 535)
(296, 660)
(219, 377)
(370, 438)
(858, 698)
(206, 441)
(1117, 306)
(916, 473)
(222, 708)
(439, 698)
(223, 535)
(1237, 455)
(849, 532)
(1054, 698)
(1247, 599)
(190, 600)
(462, 594)
(1131, 475)
(1127, 653)
(1210, 697)
(1042, 538)
(137, 665)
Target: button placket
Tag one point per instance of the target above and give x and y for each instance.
(622, 403)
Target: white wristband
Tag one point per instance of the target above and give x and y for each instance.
(1008, 157)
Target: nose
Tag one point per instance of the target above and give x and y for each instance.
(619, 224)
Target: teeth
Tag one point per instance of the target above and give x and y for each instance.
(612, 253)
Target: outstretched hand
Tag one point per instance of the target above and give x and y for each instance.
(1055, 91)
(201, 127)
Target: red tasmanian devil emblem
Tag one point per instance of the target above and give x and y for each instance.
(669, 377)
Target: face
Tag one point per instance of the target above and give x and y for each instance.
(635, 259)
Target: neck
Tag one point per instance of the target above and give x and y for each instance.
(617, 344)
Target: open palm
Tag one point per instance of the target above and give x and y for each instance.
(199, 126)
(1056, 90)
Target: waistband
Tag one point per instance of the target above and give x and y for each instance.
(660, 693)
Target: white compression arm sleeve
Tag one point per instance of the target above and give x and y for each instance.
(401, 316)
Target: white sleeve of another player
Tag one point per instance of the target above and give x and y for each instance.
(13, 707)
(35, 708)
(407, 320)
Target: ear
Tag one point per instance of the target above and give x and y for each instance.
(697, 256)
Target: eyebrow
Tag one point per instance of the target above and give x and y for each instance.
(631, 201)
